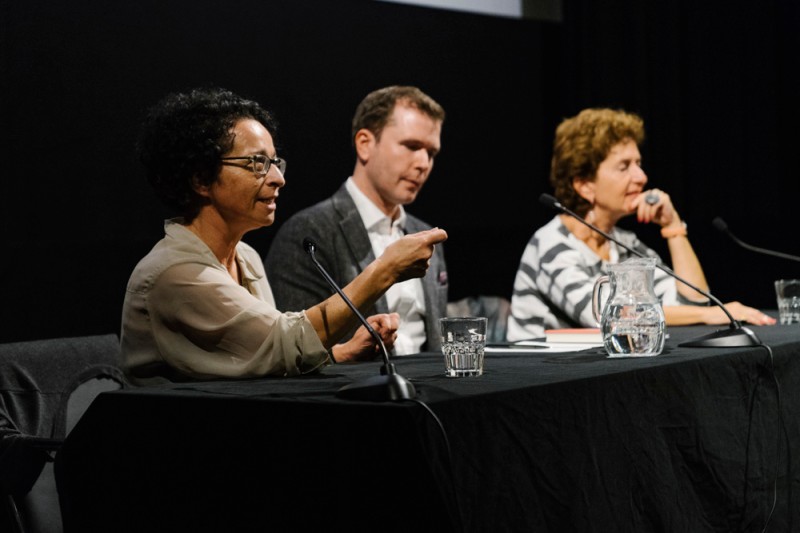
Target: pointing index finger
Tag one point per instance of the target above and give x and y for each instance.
(435, 236)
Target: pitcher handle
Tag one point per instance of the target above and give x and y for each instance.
(596, 298)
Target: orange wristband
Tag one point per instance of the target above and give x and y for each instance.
(668, 233)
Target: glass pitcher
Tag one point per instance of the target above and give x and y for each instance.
(632, 321)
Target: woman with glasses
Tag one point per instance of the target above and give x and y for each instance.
(199, 305)
(596, 171)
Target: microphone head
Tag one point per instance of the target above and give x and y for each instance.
(309, 246)
(719, 225)
(550, 201)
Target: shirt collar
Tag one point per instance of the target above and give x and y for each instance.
(176, 228)
(374, 219)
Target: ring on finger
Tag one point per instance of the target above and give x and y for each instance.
(652, 198)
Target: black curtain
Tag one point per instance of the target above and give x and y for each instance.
(714, 83)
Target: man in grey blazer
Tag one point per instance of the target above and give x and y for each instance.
(396, 135)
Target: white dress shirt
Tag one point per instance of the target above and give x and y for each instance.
(406, 298)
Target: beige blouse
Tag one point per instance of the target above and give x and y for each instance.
(184, 317)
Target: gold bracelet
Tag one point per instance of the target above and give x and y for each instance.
(669, 233)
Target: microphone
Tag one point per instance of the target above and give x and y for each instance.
(389, 385)
(735, 336)
(722, 227)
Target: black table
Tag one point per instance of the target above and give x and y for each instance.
(695, 440)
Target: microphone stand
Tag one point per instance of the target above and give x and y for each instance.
(735, 336)
(721, 226)
(389, 385)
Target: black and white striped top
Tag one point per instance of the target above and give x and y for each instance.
(554, 282)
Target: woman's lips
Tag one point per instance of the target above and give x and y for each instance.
(269, 202)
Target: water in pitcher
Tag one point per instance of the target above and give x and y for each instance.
(634, 330)
(632, 321)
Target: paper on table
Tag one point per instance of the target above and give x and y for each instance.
(578, 335)
(538, 346)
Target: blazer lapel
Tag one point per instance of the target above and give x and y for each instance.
(355, 235)
(431, 284)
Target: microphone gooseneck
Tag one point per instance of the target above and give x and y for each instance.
(311, 248)
(722, 227)
(389, 385)
(736, 335)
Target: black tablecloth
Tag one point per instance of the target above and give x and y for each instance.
(695, 439)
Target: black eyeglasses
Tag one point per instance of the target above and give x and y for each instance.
(260, 163)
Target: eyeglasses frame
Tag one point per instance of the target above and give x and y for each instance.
(279, 163)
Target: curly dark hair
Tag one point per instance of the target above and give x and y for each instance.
(376, 108)
(183, 137)
(583, 142)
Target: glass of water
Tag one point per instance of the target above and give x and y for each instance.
(788, 293)
(463, 343)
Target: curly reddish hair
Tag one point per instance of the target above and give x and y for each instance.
(583, 142)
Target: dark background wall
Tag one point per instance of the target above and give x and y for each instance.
(714, 81)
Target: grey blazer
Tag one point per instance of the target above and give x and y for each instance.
(344, 249)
